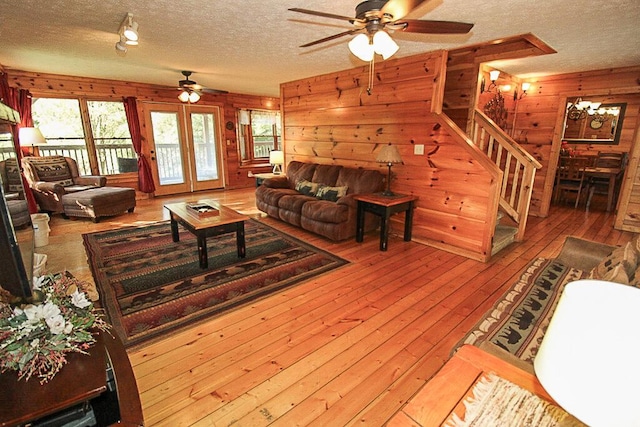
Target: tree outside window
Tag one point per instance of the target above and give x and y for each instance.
(103, 146)
(259, 133)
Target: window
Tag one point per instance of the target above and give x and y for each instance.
(260, 132)
(105, 146)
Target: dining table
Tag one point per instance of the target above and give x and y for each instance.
(610, 173)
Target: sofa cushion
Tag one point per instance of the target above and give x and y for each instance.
(331, 194)
(619, 266)
(293, 202)
(271, 196)
(307, 188)
(360, 181)
(325, 211)
(297, 171)
(52, 169)
(326, 174)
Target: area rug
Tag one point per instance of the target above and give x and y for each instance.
(150, 286)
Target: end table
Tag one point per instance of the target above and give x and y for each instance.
(384, 207)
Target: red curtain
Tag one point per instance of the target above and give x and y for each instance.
(145, 179)
(19, 100)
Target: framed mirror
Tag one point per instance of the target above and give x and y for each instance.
(16, 229)
(591, 122)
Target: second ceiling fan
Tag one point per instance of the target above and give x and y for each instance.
(190, 91)
(373, 17)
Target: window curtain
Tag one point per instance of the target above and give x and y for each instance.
(145, 179)
(19, 100)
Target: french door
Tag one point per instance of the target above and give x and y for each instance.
(185, 147)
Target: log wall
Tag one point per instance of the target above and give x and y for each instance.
(51, 85)
(330, 119)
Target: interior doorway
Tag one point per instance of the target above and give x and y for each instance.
(185, 144)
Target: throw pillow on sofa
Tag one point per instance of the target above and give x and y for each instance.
(331, 194)
(618, 267)
(307, 188)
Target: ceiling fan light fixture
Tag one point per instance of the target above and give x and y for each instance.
(184, 96)
(194, 97)
(361, 47)
(384, 45)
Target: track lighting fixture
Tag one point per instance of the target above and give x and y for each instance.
(129, 36)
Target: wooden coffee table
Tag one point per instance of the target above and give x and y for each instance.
(207, 225)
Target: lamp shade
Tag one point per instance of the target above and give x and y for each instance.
(384, 45)
(493, 75)
(30, 136)
(588, 359)
(361, 47)
(276, 157)
(389, 154)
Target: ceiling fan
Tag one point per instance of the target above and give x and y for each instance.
(190, 91)
(373, 17)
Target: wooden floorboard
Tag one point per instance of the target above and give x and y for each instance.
(348, 347)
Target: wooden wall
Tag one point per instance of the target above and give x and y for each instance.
(51, 85)
(540, 120)
(330, 119)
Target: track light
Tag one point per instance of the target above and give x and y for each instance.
(130, 28)
(121, 46)
(129, 36)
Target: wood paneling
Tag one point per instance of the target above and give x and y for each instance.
(331, 119)
(51, 85)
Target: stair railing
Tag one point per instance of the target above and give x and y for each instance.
(518, 166)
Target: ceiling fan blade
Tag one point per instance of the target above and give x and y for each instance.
(400, 8)
(432, 27)
(335, 36)
(214, 91)
(323, 14)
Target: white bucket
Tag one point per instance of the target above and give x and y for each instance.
(41, 229)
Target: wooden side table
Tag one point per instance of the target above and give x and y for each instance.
(262, 176)
(443, 395)
(384, 207)
(84, 380)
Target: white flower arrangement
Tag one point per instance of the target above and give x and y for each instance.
(37, 335)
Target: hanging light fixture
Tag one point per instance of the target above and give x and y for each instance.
(375, 40)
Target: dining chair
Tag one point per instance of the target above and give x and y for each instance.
(600, 182)
(570, 179)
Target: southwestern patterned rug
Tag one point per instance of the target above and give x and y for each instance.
(150, 286)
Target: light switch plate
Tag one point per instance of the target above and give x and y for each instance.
(418, 149)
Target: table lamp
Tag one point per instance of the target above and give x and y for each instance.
(588, 358)
(31, 137)
(388, 154)
(276, 158)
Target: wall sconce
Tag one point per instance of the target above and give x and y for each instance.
(493, 76)
(276, 158)
(525, 87)
(129, 36)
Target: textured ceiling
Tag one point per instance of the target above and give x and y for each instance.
(251, 46)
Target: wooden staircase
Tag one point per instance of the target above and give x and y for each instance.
(519, 171)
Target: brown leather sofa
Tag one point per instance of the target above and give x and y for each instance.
(319, 198)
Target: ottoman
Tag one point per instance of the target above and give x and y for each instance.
(19, 211)
(99, 202)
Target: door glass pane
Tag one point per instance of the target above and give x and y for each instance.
(166, 137)
(204, 143)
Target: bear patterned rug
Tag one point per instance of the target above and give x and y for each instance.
(150, 285)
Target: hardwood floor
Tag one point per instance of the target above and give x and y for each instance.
(349, 347)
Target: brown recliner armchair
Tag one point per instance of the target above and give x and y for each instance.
(14, 196)
(52, 177)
